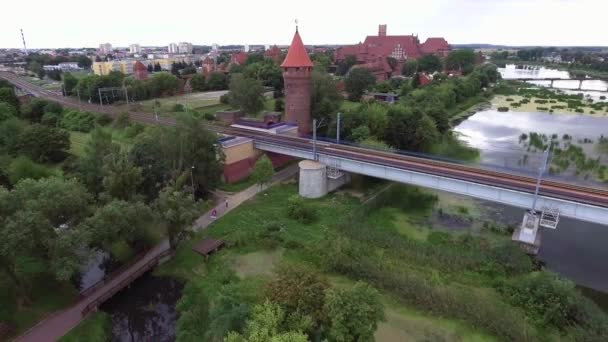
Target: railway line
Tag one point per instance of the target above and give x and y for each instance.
(559, 190)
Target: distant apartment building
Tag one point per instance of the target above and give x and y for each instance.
(105, 49)
(134, 48)
(66, 66)
(184, 47)
(126, 65)
(173, 48)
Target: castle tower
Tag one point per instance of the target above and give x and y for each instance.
(297, 73)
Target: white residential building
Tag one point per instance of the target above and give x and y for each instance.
(184, 47)
(134, 48)
(105, 49)
(173, 48)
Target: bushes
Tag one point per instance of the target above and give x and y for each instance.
(540, 101)
(225, 99)
(542, 109)
(178, 107)
(552, 301)
(503, 109)
(300, 211)
(75, 120)
(23, 167)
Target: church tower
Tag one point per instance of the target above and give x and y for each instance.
(297, 73)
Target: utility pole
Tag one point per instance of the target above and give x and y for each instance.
(192, 180)
(100, 100)
(126, 94)
(541, 170)
(314, 139)
(338, 129)
(24, 47)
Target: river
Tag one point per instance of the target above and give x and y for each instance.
(511, 71)
(576, 249)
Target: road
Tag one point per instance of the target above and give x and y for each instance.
(560, 190)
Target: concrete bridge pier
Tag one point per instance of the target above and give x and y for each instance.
(317, 179)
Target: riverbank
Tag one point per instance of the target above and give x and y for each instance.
(395, 243)
(531, 104)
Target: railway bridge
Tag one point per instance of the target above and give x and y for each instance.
(552, 81)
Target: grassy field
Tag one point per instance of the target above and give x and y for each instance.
(252, 262)
(79, 140)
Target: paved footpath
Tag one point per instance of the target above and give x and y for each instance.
(60, 323)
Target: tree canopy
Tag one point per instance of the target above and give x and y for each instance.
(246, 93)
(357, 82)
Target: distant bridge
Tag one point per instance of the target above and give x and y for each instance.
(551, 81)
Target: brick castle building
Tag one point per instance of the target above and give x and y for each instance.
(297, 73)
(375, 50)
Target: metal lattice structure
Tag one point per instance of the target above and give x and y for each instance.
(549, 218)
(333, 170)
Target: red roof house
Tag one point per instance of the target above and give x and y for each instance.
(239, 58)
(273, 53)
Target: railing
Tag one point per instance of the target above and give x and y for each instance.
(121, 285)
(88, 291)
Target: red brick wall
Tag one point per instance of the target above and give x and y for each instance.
(241, 169)
(298, 90)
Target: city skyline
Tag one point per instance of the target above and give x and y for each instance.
(511, 22)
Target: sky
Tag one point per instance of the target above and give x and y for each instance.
(71, 23)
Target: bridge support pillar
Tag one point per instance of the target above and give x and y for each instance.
(580, 84)
(316, 179)
(551, 85)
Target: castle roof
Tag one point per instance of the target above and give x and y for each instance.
(435, 44)
(297, 56)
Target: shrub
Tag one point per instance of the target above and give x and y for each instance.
(53, 107)
(22, 168)
(510, 99)
(51, 119)
(503, 109)
(134, 130)
(540, 101)
(209, 116)
(7, 111)
(104, 119)
(299, 210)
(75, 120)
(542, 109)
(225, 99)
(178, 107)
(602, 97)
(122, 121)
(579, 110)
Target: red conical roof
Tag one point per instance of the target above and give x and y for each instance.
(297, 56)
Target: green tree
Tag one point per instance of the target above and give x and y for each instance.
(22, 168)
(265, 326)
(39, 225)
(121, 178)
(246, 93)
(344, 66)
(217, 81)
(262, 171)
(354, 313)
(197, 82)
(299, 291)
(7, 111)
(10, 130)
(410, 67)
(37, 69)
(43, 144)
(69, 83)
(90, 166)
(7, 95)
(461, 60)
(410, 130)
(34, 110)
(279, 105)
(163, 84)
(325, 99)
(360, 133)
(430, 63)
(357, 82)
(119, 221)
(229, 311)
(179, 210)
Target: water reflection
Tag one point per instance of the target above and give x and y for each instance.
(145, 311)
(496, 134)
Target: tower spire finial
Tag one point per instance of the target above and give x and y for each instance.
(296, 24)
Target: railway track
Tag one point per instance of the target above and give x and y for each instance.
(565, 191)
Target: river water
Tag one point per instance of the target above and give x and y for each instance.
(576, 249)
(512, 72)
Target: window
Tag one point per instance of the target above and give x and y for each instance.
(398, 52)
